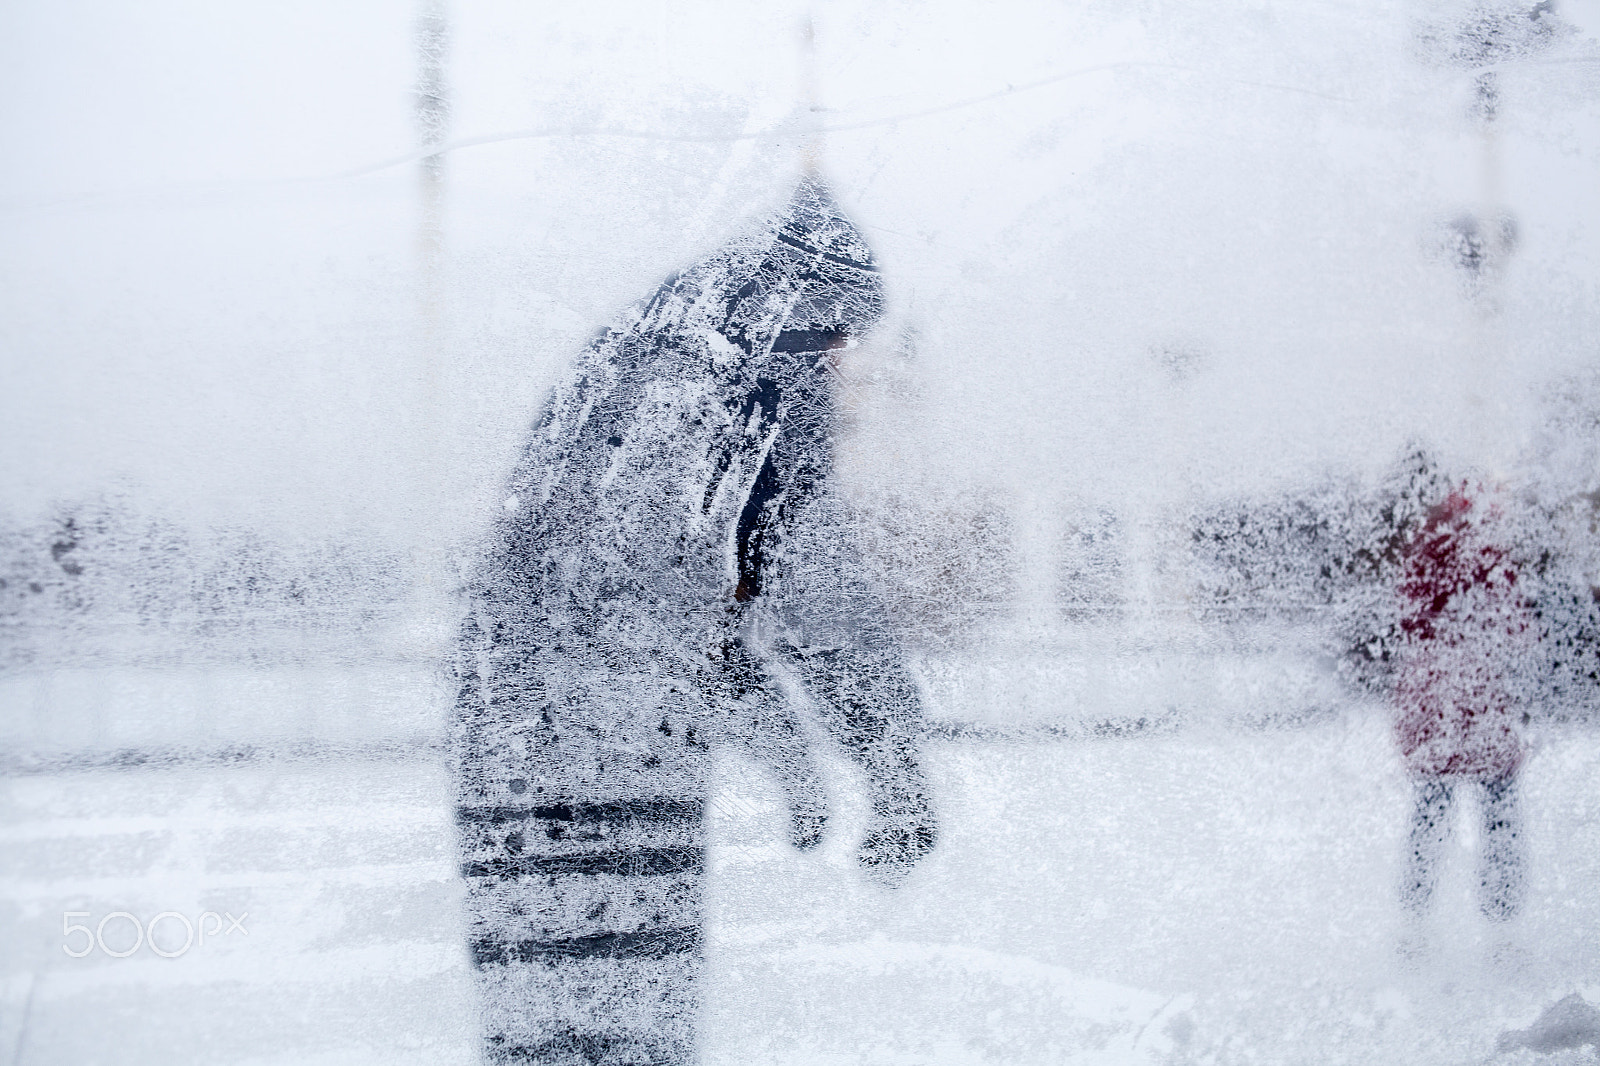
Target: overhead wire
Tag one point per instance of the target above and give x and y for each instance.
(778, 132)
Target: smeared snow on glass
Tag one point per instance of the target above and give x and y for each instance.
(1233, 373)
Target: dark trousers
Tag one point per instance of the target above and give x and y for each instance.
(580, 820)
(585, 928)
(1500, 865)
(580, 796)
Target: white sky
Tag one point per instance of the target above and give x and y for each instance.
(1254, 183)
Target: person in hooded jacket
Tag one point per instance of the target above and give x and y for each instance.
(671, 570)
(1465, 626)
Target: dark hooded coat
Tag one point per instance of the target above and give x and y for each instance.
(670, 531)
(671, 568)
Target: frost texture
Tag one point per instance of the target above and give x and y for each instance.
(1491, 33)
(672, 569)
(1457, 604)
(1352, 572)
(107, 581)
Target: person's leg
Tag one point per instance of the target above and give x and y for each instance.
(1500, 876)
(1430, 830)
(583, 852)
(586, 929)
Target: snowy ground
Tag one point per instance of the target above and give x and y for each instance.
(1213, 895)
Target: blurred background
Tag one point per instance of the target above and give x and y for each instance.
(283, 286)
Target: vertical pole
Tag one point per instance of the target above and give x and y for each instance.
(431, 114)
(1486, 235)
(811, 138)
(433, 124)
(1490, 242)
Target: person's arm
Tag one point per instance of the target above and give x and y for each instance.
(870, 705)
(866, 700)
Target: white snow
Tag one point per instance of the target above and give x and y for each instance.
(1212, 895)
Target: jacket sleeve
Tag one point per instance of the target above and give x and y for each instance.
(797, 552)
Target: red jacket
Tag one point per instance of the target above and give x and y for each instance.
(1466, 626)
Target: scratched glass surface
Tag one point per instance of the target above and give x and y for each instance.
(800, 533)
